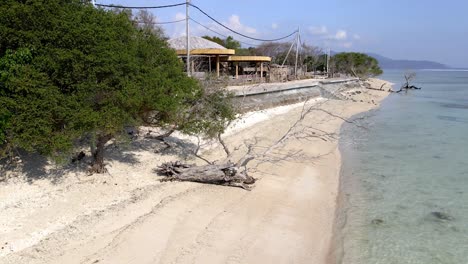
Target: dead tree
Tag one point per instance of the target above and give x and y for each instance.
(235, 174)
(228, 174)
(409, 76)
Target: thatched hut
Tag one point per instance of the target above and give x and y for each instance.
(201, 48)
(205, 53)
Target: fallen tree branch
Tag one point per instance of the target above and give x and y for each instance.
(227, 174)
(232, 174)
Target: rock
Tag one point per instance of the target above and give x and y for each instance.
(442, 216)
(377, 221)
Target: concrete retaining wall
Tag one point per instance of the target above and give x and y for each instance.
(267, 95)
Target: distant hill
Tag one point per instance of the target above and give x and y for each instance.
(387, 63)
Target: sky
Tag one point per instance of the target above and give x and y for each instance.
(398, 29)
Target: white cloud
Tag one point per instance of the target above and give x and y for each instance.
(320, 30)
(179, 28)
(274, 26)
(179, 16)
(235, 23)
(323, 33)
(333, 38)
(341, 35)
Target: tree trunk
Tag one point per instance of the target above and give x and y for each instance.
(227, 174)
(98, 154)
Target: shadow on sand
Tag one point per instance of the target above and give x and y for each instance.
(35, 167)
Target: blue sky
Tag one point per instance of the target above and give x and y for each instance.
(399, 29)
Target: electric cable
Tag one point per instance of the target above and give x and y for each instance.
(141, 7)
(207, 28)
(162, 23)
(238, 33)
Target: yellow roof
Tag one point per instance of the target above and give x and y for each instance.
(249, 58)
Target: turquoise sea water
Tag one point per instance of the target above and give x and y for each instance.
(404, 182)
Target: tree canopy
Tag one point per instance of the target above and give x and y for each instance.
(356, 64)
(228, 43)
(69, 71)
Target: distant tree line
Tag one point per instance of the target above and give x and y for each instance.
(355, 64)
(72, 74)
(310, 57)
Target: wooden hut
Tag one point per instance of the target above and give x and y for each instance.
(210, 53)
(200, 47)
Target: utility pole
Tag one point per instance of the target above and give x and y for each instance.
(328, 62)
(297, 51)
(187, 24)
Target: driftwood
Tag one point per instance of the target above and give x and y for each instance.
(409, 76)
(228, 174)
(235, 174)
(408, 87)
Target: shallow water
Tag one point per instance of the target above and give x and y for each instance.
(404, 181)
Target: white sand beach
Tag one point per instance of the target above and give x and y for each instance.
(129, 216)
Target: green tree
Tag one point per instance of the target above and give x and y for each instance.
(231, 43)
(70, 71)
(228, 43)
(215, 39)
(357, 64)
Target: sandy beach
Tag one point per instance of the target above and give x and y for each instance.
(129, 216)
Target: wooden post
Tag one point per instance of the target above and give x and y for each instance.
(209, 63)
(237, 70)
(256, 70)
(217, 65)
(261, 70)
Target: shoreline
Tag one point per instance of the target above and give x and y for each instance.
(128, 216)
(336, 252)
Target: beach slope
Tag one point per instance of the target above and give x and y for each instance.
(128, 216)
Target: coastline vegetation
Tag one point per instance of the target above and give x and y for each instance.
(71, 74)
(356, 64)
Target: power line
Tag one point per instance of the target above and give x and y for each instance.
(238, 33)
(141, 7)
(203, 12)
(161, 23)
(250, 44)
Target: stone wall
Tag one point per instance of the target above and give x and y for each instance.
(262, 96)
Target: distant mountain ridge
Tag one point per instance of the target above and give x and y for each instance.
(387, 63)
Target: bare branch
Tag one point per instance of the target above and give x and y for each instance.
(221, 141)
(197, 150)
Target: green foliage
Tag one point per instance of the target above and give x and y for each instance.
(356, 64)
(250, 51)
(228, 43)
(210, 115)
(215, 39)
(32, 116)
(231, 43)
(71, 71)
(316, 63)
